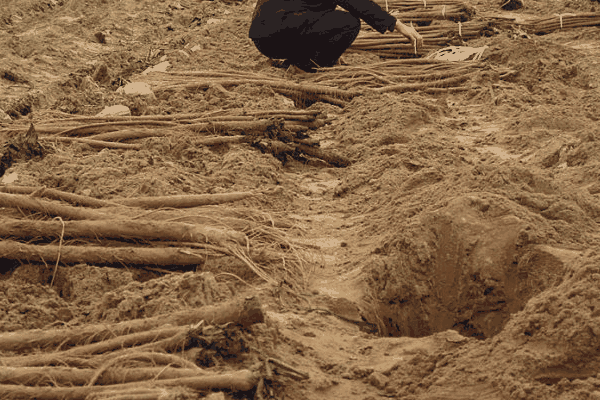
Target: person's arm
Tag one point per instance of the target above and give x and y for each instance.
(370, 12)
(379, 19)
(411, 34)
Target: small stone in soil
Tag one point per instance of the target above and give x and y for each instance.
(378, 380)
(100, 37)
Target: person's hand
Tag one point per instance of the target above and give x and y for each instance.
(411, 34)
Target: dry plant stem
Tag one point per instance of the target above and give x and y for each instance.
(220, 118)
(126, 134)
(238, 224)
(119, 342)
(185, 201)
(195, 127)
(170, 117)
(171, 257)
(414, 4)
(49, 208)
(91, 381)
(422, 86)
(122, 229)
(239, 311)
(219, 127)
(72, 362)
(62, 235)
(289, 117)
(326, 98)
(243, 380)
(401, 51)
(172, 344)
(178, 201)
(65, 376)
(220, 140)
(137, 394)
(290, 113)
(212, 127)
(315, 90)
(447, 90)
(301, 375)
(413, 62)
(332, 158)
(432, 78)
(54, 194)
(212, 73)
(198, 127)
(47, 126)
(92, 143)
(372, 45)
(83, 129)
(153, 358)
(295, 127)
(456, 12)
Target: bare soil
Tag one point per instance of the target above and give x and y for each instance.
(455, 258)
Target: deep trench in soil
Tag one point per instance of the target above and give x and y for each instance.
(478, 272)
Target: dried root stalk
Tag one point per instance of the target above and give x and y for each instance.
(72, 198)
(242, 380)
(135, 256)
(94, 143)
(49, 208)
(243, 312)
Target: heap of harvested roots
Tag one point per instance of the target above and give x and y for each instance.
(284, 133)
(401, 76)
(413, 5)
(164, 357)
(202, 80)
(542, 26)
(423, 12)
(123, 233)
(424, 16)
(338, 84)
(397, 46)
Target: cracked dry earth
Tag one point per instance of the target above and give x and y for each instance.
(456, 257)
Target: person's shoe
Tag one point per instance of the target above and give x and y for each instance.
(294, 70)
(280, 63)
(306, 66)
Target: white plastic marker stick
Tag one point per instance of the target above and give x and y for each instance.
(387, 9)
(415, 42)
(566, 15)
(444, 11)
(459, 29)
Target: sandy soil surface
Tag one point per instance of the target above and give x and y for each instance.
(456, 257)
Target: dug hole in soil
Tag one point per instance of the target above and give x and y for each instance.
(455, 256)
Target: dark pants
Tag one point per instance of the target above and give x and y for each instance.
(318, 45)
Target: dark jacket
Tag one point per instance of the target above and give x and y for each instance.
(272, 17)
